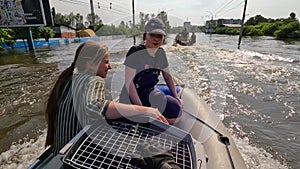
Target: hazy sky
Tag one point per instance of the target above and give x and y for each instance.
(195, 11)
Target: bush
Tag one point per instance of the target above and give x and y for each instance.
(47, 33)
(227, 30)
(291, 30)
(252, 31)
(268, 29)
(6, 37)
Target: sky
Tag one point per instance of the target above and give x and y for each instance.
(179, 11)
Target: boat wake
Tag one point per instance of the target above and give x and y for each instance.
(218, 76)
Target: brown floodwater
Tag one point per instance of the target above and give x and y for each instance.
(24, 88)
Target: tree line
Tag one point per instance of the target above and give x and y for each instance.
(76, 22)
(282, 28)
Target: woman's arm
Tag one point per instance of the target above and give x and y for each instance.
(117, 110)
(129, 75)
(97, 104)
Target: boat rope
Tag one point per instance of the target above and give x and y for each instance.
(223, 139)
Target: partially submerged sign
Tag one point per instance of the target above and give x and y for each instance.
(25, 13)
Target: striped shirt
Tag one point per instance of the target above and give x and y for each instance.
(83, 102)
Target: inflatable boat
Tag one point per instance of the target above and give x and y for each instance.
(198, 140)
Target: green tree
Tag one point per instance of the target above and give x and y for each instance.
(106, 30)
(144, 18)
(36, 32)
(71, 20)
(292, 15)
(228, 31)
(9, 36)
(123, 29)
(291, 30)
(252, 30)
(256, 20)
(79, 21)
(20, 33)
(60, 19)
(164, 17)
(268, 29)
(47, 33)
(6, 37)
(92, 18)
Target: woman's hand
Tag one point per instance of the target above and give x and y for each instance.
(154, 113)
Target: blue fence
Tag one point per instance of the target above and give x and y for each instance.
(40, 43)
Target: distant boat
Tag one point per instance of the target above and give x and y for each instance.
(183, 39)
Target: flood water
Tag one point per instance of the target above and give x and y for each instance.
(255, 91)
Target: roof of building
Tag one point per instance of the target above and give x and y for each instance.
(232, 25)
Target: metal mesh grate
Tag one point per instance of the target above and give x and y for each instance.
(120, 141)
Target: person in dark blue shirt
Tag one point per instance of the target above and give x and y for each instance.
(143, 65)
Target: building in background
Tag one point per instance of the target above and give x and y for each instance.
(188, 26)
(211, 25)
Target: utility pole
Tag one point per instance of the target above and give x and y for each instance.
(92, 13)
(210, 26)
(133, 22)
(211, 23)
(242, 25)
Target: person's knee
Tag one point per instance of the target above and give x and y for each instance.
(158, 100)
(173, 108)
(169, 106)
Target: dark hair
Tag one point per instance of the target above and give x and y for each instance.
(88, 51)
(55, 97)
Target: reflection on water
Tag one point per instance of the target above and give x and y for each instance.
(16, 57)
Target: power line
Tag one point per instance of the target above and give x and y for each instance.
(113, 11)
(224, 6)
(235, 7)
(117, 5)
(76, 2)
(105, 7)
(219, 6)
(111, 7)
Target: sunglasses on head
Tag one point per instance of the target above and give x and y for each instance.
(153, 35)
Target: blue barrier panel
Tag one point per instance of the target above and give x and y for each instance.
(52, 42)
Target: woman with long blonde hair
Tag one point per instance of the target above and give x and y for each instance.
(78, 99)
